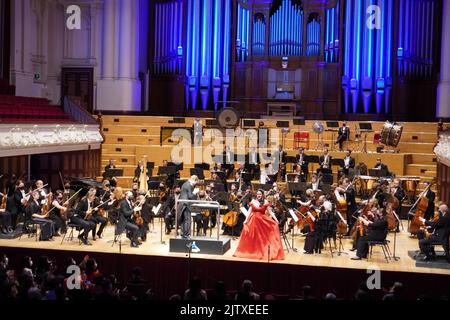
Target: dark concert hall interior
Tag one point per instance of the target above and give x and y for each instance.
(224, 150)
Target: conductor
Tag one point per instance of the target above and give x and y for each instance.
(187, 193)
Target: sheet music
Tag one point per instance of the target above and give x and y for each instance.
(293, 215)
(155, 210)
(245, 211)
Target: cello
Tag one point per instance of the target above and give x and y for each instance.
(421, 206)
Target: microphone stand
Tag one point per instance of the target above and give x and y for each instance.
(397, 220)
(189, 246)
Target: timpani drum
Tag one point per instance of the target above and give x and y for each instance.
(409, 184)
(391, 134)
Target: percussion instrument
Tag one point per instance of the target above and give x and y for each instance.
(318, 127)
(367, 181)
(391, 134)
(409, 184)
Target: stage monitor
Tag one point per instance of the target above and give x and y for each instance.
(198, 172)
(332, 124)
(282, 124)
(298, 121)
(203, 166)
(249, 123)
(365, 126)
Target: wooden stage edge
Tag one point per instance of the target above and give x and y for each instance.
(168, 273)
(154, 247)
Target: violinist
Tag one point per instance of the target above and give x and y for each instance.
(80, 217)
(316, 183)
(397, 191)
(301, 160)
(376, 231)
(20, 201)
(35, 215)
(358, 230)
(43, 194)
(202, 217)
(57, 212)
(143, 218)
(325, 225)
(325, 160)
(438, 230)
(170, 209)
(98, 214)
(126, 214)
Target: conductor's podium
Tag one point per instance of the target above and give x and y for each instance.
(207, 245)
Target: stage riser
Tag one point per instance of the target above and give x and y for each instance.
(164, 121)
(206, 246)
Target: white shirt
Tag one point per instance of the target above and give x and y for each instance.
(347, 161)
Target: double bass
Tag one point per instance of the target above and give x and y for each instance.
(421, 206)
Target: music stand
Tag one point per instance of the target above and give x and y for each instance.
(246, 177)
(179, 182)
(326, 188)
(197, 172)
(377, 173)
(265, 186)
(150, 166)
(162, 170)
(229, 184)
(109, 173)
(365, 127)
(338, 162)
(153, 201)
(204, 166)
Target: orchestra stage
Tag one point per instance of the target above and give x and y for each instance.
(323, 271)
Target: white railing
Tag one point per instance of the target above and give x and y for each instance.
(18, 139)
(77, 113)
(442, 149)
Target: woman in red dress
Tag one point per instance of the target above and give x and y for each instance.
(261, 234)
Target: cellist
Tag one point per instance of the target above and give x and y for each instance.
(438, 232)
(347, 191)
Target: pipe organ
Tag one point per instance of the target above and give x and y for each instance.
(416, 38)
(286, 30)
(349, 54)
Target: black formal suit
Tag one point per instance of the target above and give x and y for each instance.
(47, 225)
(184, 210)
(5, 216)
(346, 168)
(322, 162)
(319, 186)
(440, 231)
(11, 208)
(303, 165)
(126, 212)
(97, 219)
(377, 231)
(343, 135)
(350, 197)
(399, 194)
(228, 162)
(253, 161)
(170, 211)
(78, 218)
(280, 158)
(18, 208)
(429, 213)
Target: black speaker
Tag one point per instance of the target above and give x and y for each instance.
(298, 121)
(282, 124)
(249, 123)
(380, 149)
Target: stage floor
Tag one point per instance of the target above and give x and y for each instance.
(154, 247)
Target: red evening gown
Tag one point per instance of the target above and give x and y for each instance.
(259, 232)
